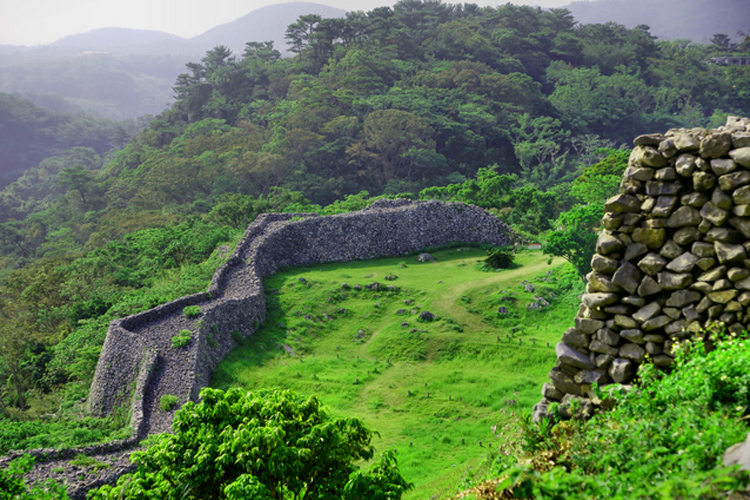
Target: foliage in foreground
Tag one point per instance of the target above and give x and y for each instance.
(665, 439)
(13, 487)
(267, 444)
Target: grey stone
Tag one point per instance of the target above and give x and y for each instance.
(625, 322)
(652, 264)
(723, 296)
(633, 250)
(703, 305)
(702, 249)
(665, 174)
(603, 360)
(686, 235)
(550, 392)
(649, 286)
(664, 206)
(594, 300)
(715, 145)
(676, 327)
(683, 264)
(621, 370)
(667, 148)
(713, 274)
(611, 221)
(634, 301)
(670, 250)
(648, 156)
(734, 180)
(622, 203)
(741, 210)
(690, 313)
(741, 196)
(607, 336)
(656, 323)
(657, 188)
(714, 214)
(694, 199)
(569, 356)
(685, 165)
(639, 173)
(722, 199)
(684, 216)
(652, 238)
(681, 298)
(588, 326)
(601, 347)
(564, 382)
(647, 312)
(706, 263)
(663, 360)
(738, 273)
(741, 156)
(632, 335)
(674, 281)
(742, 224)
(601, 283)
(648, 140)
(729, 253)
(703, 181)
(672, 312)
(723, 166)
(723, 234)
(575, 338)
(628, 277)
(606, 265)
(633, 352)
(608, 243)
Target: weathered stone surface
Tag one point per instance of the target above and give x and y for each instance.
(741, 210)
(741, 139)
(639, 173)
(713, 274)
(723, 234)
(652, 264)
(685, 165)
(634, 301)
(656, 323)
(671, 250)
(683, 264)
(728, 253)
(734, 180)
(575, 338)
(686, 236)
(690, 313)
(652, 238)
(649, 286)
(672, 312)
(608, 243)
(633, 352)
(703, 305)
(684, 216)
(647, 312)
(587, 325)
(685, 141)
(594, 300)
(625, 322)
(715, 145)
(694, 199)
(569, 356)
(706, 263)
(723, 296)
(612, 221)
(664, 206)
(621, 370)
(742, 225)
(673, 281)
(622, 203)
(657, 188)
(665, 174)
(550, 392)
(714, 214)
(648, 156)
(648, 140)
(667, 148)
(607, 336)
(601, 347)
(632, 335)
(564, 382)
(702, 287)
(603, 360)
(681, 298)
(723, 166)
(634, 250)
(738, 273)
(628, 277)
(598, 282)
(676, 327)
(741, 196)
(606, 265)
(741, 156)
(703, 249)
(721, 284)
(704, 181)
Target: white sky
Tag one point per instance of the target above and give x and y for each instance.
(38, 22)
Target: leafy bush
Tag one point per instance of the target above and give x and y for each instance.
(499, 258)
(268, 444)
(182, 339)
(192, 311)
(168, 401)
(665, 439)
(13, 487)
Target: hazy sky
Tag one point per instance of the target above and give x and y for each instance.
(38, 22)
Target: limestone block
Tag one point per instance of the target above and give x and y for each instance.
(567, 355)
(665, 174)
(655, 223)
(667, 148)
(622, 203)
(703, 249)
(713, 274)
(564, 382)
(646, 156)
(681, 298)
(704, 181)
(633, 335)
(632, 251)
(648, 140)
(633, 352)
(597, 282)
(723, 166)
(588, 326)
(741, 196)
(684, 141)
(723, 234)
(686, 235)
(617, 309)
(602, 348)
(653, 337)
(723, 296)
(625, 322)
(728, 253)
(605, 265)
(658, 188)
(652, 264)
(649, 286)
(714, 214)
(673, 281)
(706, 263)
(742, 225)
(722, 200)
(734, 306)
(690, 313)
(628, 277)
(634, 301)
(702, 287)
(702, 165)
(741, 156)
(721, 284)
(715, 311)
(738, 273)
(550, 392)
(670, 250)
(608, 243)
(639, 173)
(631, 219)
(652, 238)
(612, 221)
(683, 264)
(656, 323)
(715, 145)
(575, 338)
(664, 206)
(704, 226)
(744, 299)
(741, 140)
(729, 182)
(647, 312)
(684, 216)
(621, 370)
(607, 336)
(694, 199)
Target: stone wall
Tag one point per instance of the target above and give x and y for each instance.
(138, 365)
(673, 255)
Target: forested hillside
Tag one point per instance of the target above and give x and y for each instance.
(501, 107)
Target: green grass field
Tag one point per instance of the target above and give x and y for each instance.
(433, 389)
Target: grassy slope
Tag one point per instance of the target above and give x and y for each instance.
(434, 393)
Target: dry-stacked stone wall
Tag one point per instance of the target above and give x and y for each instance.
(674, 254)
(138, 366)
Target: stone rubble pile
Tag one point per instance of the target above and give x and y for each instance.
(673, 255)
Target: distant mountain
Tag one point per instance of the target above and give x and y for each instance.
(267, 23)
(106, 39)
(696, 20)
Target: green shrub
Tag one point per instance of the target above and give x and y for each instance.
(192, 311)
(182, 339)
(499, 258)
(168, 401)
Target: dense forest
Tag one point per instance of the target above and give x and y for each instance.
(520, 110)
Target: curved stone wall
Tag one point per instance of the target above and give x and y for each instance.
(137, 364)
(674, 254)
